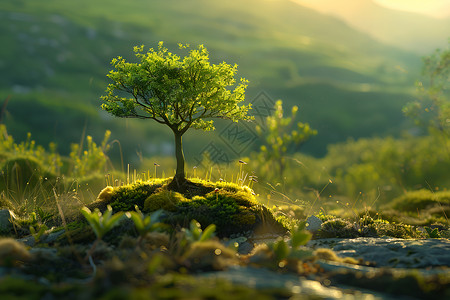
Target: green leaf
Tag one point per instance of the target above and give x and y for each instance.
(208, 233)
(281, 250)
(300, 238)
(195, 230)
(301, 254)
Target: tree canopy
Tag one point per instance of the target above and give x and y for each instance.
(181, 93)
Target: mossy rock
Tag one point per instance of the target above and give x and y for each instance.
(164, 199)
(421, 199)
(124, 198)
(232, 208)
(337, 228)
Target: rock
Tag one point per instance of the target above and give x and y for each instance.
(391, 252)
(5, 220)
(313, 223)
(28, 241)
(259, 278)
(52, 236)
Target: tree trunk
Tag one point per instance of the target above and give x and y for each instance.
(180, 176)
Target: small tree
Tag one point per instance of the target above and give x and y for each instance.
(180, 93)
(432, 110)
(279, 138)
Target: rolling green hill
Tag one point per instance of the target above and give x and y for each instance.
(55, 55)
(406, 30)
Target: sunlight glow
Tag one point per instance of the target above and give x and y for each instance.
(434, 8)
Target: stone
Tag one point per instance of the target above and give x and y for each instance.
(5, 220)
(391, 252)
(313, 223)
(302, 288)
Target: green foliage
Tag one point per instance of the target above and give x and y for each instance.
(145, 224)
(101, 223)
(432, 111)
(91, 160)
(180, 93)
(279, 138)
(293, 250)
(196, 234)
(28, 149)
(314, 57)
(432, 233)
(365, 172)
(38, 232)
(418, 200)
(300, 236)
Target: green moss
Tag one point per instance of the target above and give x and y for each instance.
(421, 199)
(232, 208)
(395, 230)
(337, 228)
(124, 198)
(164, 199)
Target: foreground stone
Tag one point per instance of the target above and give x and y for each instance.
(302, 288)
(391, 252)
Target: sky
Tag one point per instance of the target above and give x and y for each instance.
(436, 8)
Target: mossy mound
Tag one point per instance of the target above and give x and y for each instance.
(124, 198)
(420, 208)
(232, 208)
(421, 199)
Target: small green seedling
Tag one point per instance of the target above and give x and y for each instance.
(101, 223)
(299, 237)
(433, 233)
(145, 224)
(43, 216)
(196, 234)
(38, 232)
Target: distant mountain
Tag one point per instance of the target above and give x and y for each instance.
(55, 56)
(410, 31)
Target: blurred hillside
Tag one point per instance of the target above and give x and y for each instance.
(55, 56)
(410, 31)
